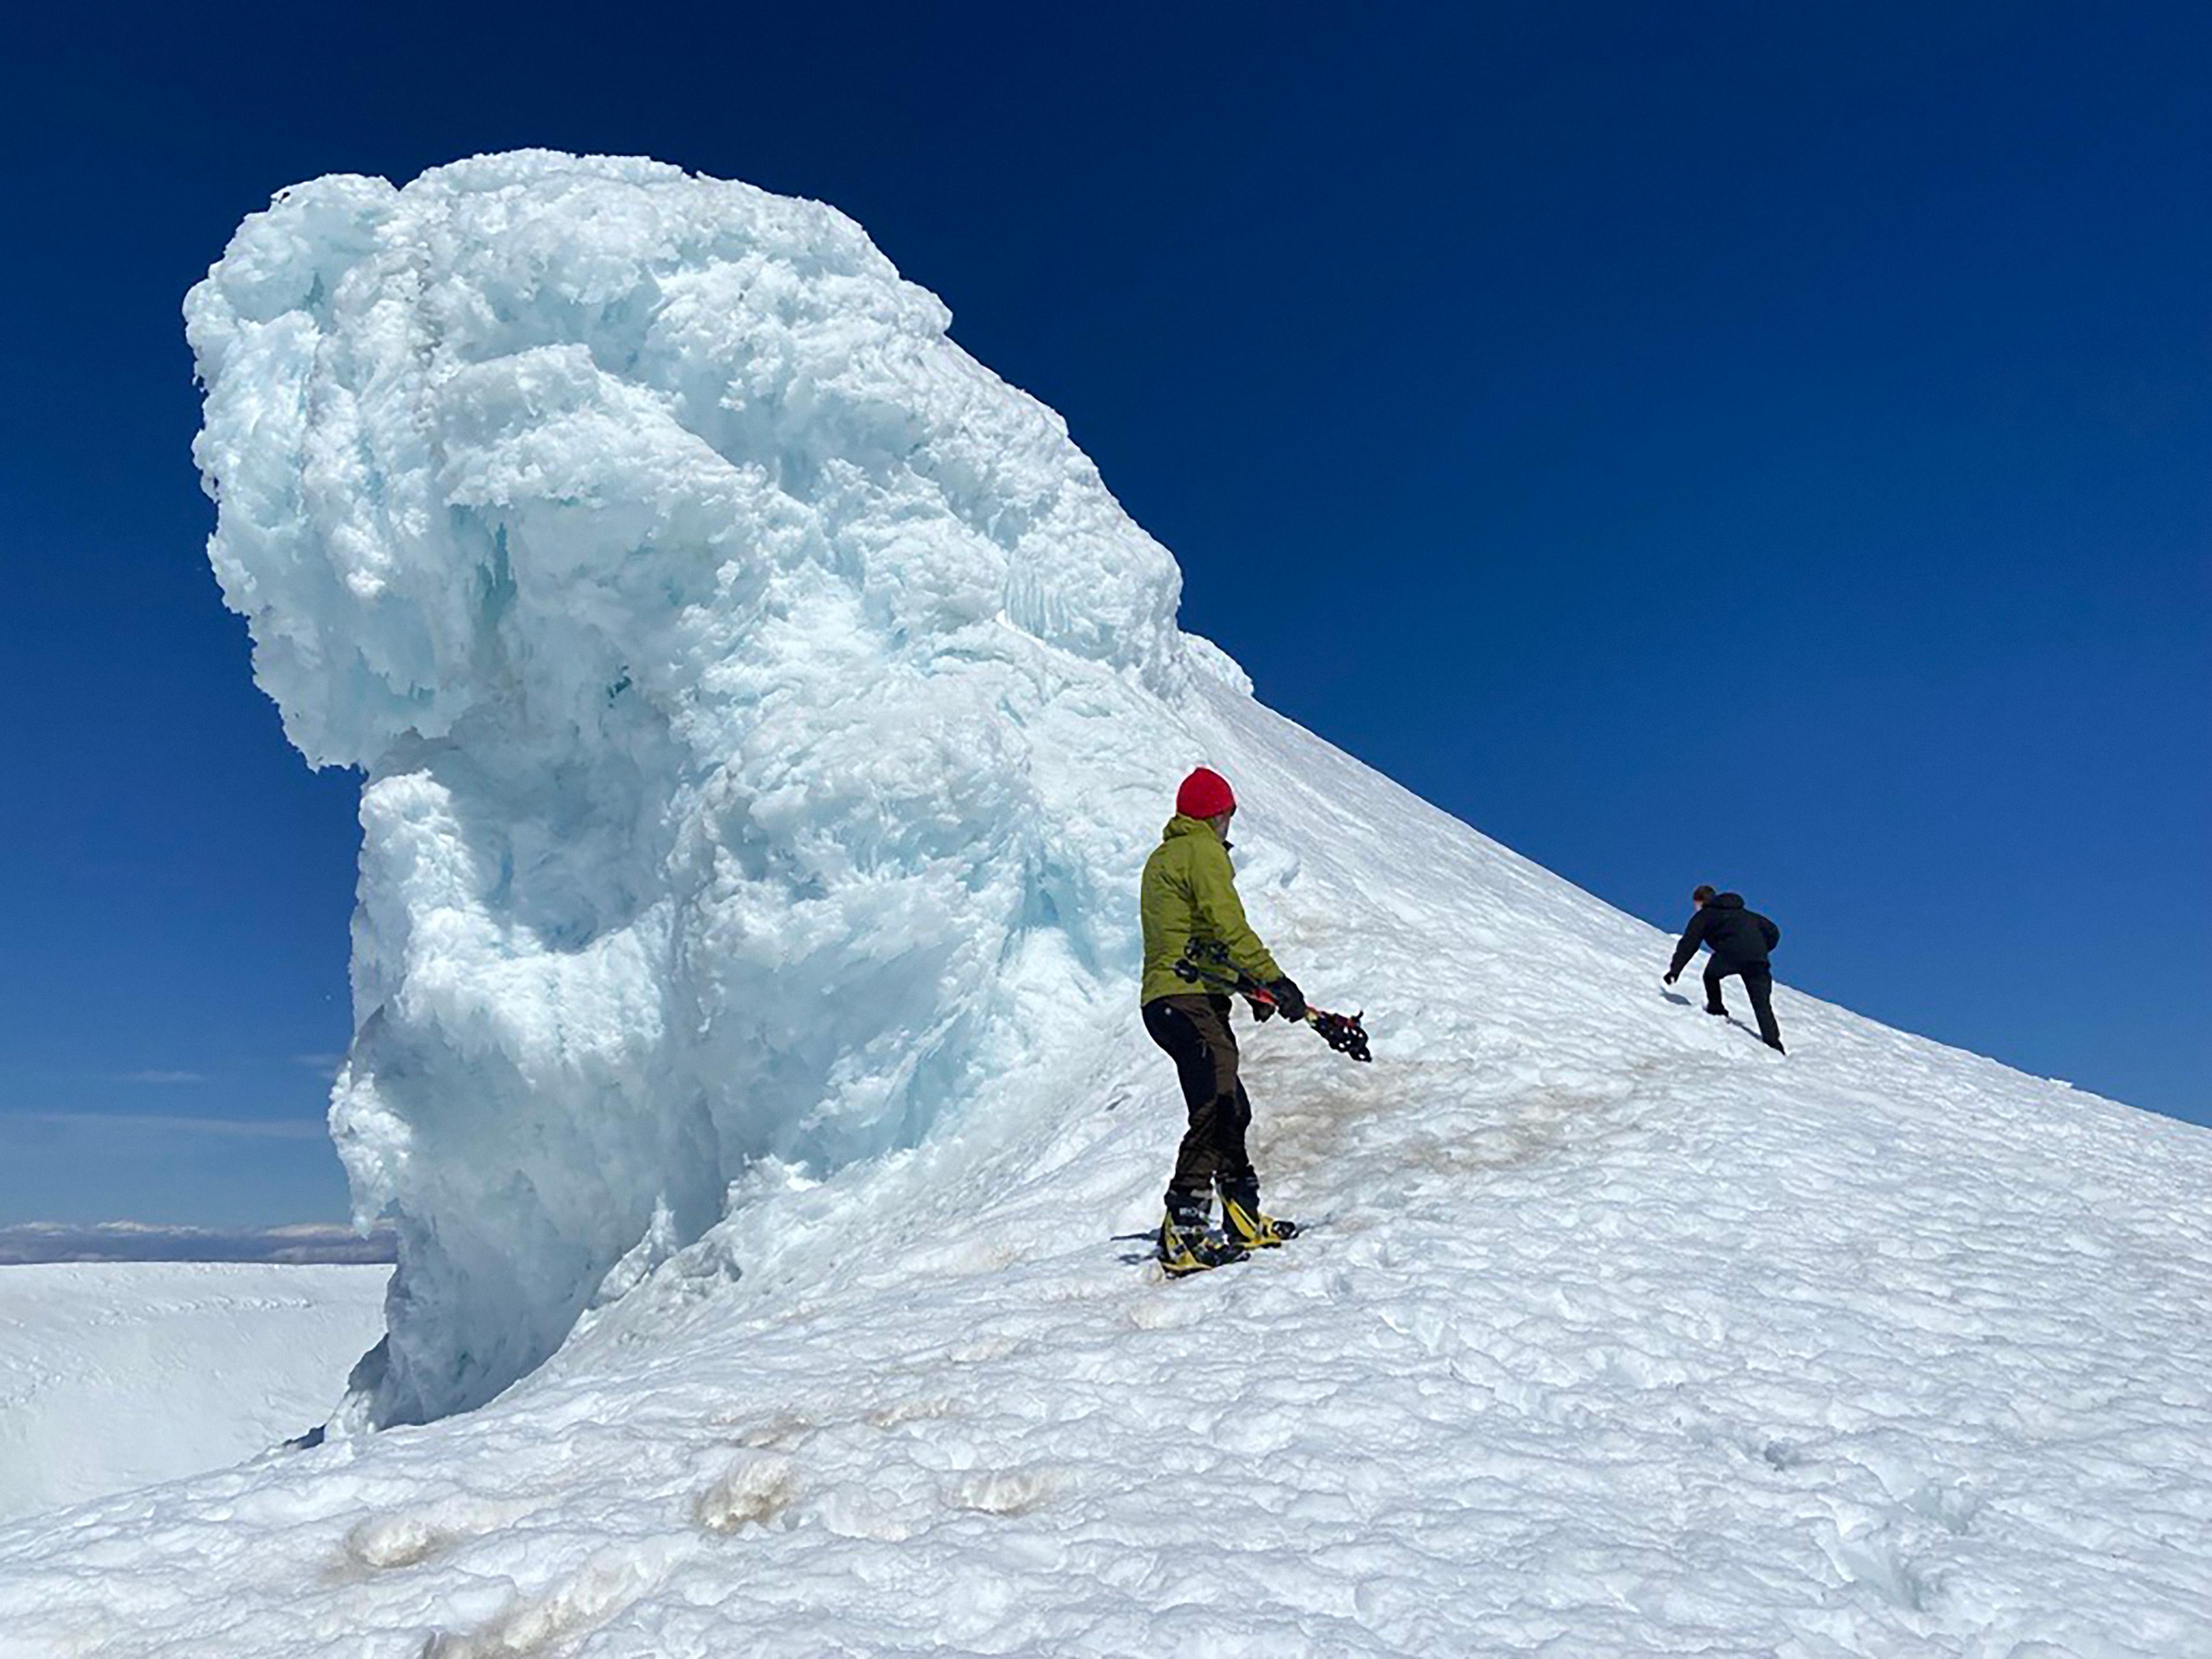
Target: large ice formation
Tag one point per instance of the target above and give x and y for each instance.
(743, 678)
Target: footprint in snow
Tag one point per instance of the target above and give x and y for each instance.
(1007, 1492)
(751, 1492)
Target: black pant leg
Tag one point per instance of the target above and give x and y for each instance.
(1232, 1122)
(1714, 975)
(1759, 985)
(1196, 1036)
(1232, 1107)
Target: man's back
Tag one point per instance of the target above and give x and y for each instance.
(1736, 934)
(1189, 892)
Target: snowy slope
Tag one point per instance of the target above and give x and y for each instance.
(765, 1021)
(1616, 1334)
(118, 1374)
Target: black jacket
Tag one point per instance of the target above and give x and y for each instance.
(1740, 937)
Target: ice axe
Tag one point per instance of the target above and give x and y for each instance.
(1208, 964)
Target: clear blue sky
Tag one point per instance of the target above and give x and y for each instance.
(1764, 444)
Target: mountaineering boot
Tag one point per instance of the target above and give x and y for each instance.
(1242, 1221)
(1710, 1008)
(1189, 1243)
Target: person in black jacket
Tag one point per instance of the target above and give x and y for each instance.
(1740, 939)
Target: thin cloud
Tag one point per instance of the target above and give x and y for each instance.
(247, 1128)
(30, 1242)
(162, 1077)
(326, 1063)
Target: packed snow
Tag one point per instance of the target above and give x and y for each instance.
(765, 714)
(117, 1375)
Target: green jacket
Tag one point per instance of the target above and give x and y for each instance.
(1189, 891)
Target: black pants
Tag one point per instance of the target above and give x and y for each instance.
(1758, 984)
(1194, 1032)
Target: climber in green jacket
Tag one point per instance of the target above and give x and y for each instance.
(1189, 896)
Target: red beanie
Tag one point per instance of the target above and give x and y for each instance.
(1204, 794)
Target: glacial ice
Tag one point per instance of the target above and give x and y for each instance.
(745, 681)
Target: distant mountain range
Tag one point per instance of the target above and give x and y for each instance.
(137, 1241)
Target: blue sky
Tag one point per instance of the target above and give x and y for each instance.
(1771, 445)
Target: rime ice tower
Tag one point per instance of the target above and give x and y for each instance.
(716, 639)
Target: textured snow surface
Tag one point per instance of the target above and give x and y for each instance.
(1616, 1333)
(736, 912)
(117, 1375)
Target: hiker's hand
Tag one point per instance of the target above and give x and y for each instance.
(1672, 976)
(1261, 1012)
(1288, 1001)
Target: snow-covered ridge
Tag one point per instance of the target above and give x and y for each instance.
(746, 681)
(1615, 1334)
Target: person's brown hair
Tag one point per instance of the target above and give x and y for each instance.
(1703, 895)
